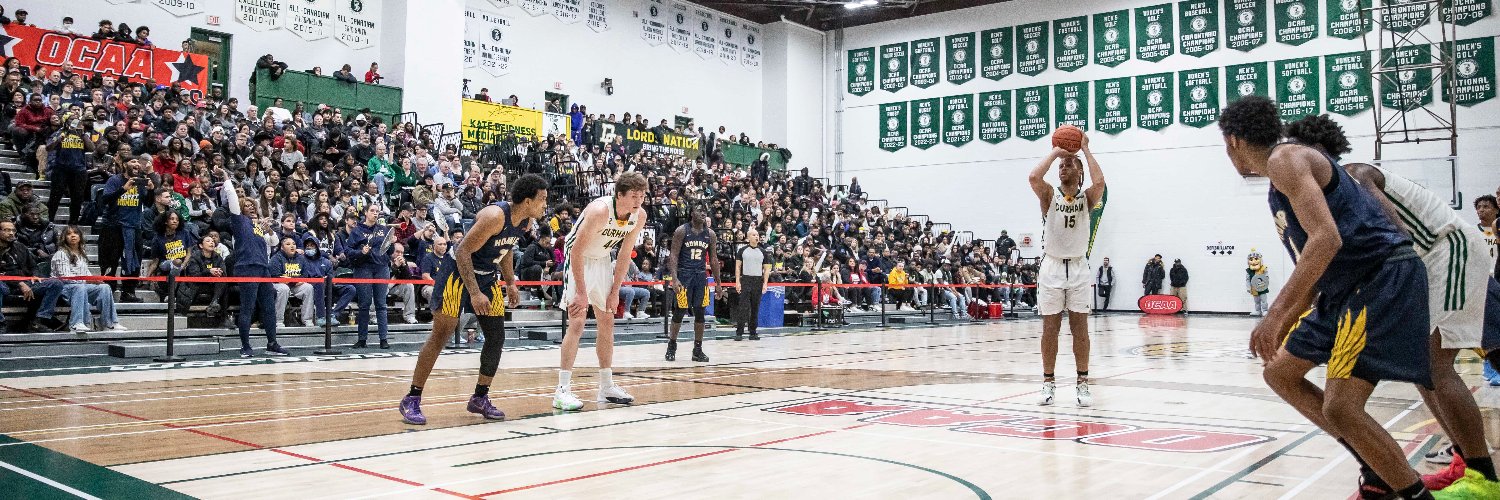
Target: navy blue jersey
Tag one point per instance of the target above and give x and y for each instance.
(695, 248)
(250, 256)
(1368, 235)
(487, 259)
(382, 242)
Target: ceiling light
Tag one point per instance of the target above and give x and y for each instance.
(852, 5)
(868, 3)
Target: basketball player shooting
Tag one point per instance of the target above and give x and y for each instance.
(1063, 280)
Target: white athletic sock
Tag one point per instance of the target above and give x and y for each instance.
(564, 380)
(605, 379)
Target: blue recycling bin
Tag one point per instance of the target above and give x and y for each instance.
(773, 307)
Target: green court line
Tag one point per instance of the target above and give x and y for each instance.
(74, 473)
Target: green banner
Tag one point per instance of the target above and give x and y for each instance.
(1297, 87)
(994, 124)
(893, 126)
(1072, 101)
(1032, 121)
(1033, 47)
(958, 119)
(1070, 43)
(1402, 16)
(1153, 101)
(960, 60)
(1112, 105)
(924, 62)
(1348, 76)
(893, 67)
(1406, 89)
(1245, 24)
(861, 71)
(1465, 12)
(1153, 32)
(1200, 27)
(1247, 79)
(744, 156)
(636, 140)
(1344, 20)
(1198, 90)
(997, 53)
(1296, 21)
(925, 123)
(1112, 38)
(1474, 66)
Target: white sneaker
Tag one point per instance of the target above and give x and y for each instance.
(642, 315)
(1049, 393)
(412, 320)
(1443, 455)
(565, 400)
(1085, 397)
(614, 394)
(81, 328)
(117, 328)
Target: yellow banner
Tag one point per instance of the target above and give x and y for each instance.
(487, 123)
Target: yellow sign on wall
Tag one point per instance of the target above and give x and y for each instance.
(487, 123)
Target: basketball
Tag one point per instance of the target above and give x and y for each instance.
(1067, 137)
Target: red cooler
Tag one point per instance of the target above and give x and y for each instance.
(997, 310)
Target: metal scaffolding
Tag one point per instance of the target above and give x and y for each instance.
(1400, 52)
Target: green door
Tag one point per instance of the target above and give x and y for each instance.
(216, 46)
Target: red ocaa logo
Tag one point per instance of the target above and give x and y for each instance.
(1160, 304)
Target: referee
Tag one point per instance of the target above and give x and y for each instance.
(750, 270)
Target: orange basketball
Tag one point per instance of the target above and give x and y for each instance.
(1068, 137)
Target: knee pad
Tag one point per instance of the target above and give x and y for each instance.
(494, 340)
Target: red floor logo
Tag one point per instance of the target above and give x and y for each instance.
(1160, 304)
(1025, 427)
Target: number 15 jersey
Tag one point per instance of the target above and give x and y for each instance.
(1066, 226)
(610, 235)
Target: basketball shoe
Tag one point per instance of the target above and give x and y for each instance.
(482, 406)
(1049, 393)
(411, 410)
(564, 400)
(614, 394)
(1085, 397)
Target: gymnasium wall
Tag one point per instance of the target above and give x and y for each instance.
(1172, 191)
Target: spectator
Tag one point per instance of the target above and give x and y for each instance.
(17, 260)
(403, 269)
(1180, 282)
(18, 201)
(27, 131)
(369, 254)
(269, 63)
(430, 263)
(1004, 245)
(204, 263)
(70, 261)
(143, 36)
(634, 297)
(67, 27)
(69, 169)
(483, 95)
(1153, 276)
(898, 280)
(373, 75)
(251, 261)
(1105, 281)
(20, 19)
(106, 30)
(120, 226)
(289, 263)
(37, 233)
(317, 264)
(345, 74)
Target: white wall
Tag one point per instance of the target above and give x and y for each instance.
(655, 82)
(795, 88)
(431, 76)
(1171, 192)
(169, 31)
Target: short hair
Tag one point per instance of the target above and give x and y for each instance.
(1254, 119)
(630, 181)
(1321, 131)
(527, 188)
(1489, 198)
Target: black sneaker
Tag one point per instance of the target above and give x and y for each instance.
(213, 309)
(385, 345)
(129, 298)
(738, 337)
(276, 350)
(699, 357)
(672, 351)
(754, 337)
(245, 352)
(358, 344)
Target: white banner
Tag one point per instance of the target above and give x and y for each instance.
(357, 22)
(556, 124)
(535, 7)
(309, 19)
(259, 15)
(180, 8)
(705, 39)
(729, 40)
(681, 35)
(471, 44)
(122, 1)
(750, 52)
(598, 21)
(503, 3)
(489, 36)
(653, 30)
(567, 11)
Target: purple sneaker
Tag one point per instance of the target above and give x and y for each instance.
(482, 406)
(411, 410)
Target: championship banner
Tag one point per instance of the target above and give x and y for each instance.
(1112, 38)
(488, 123)
(534, 7)
(960, 58)
(861, 71)
(1032, 121)
(1199, 92)
(997, 53)
(567, 11)
(1403, 16)
(1247, 79)
(994, 118)
(958, 119)
(636, 140)
(180, 8)
(1200, 27)
(501, 4)
(1033, 46)
(1465, 12)
(557, 124)
(310, 20)
(1072, 101)
(1153, 32)
(259, 15)
(679, 27)
(893, 67)
(1297, 88)
(1344, 20)
(1112, 105)
(653, 29)
(924, 63)
(1296, 21)
(1070, 43)
(486, 30)
(1245, 24)
(33, 46)
(750, 51)
(1348, 76)
(924, 123)
(729, 44)
(598, 16)
(1474, 63)
(357, 23)
(1406, 89)
(1153, 101)
(705, 39)
(892, 126)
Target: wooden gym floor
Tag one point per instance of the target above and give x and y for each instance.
(948, 412)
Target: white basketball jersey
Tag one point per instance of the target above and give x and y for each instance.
(1066, 226)
(1490, 241)
(1426, 216)
(609, 236)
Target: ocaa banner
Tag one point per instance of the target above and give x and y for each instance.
(487, 123)
(33, 46)
(646, 140)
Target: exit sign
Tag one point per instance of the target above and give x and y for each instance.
(211, 20)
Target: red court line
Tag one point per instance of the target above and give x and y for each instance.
(662, 462)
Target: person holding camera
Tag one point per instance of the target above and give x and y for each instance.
(369, 250)
(69, 169)
(119, 228)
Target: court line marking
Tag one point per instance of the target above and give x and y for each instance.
(48, 481)
(218, 394)
(1340, 457)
